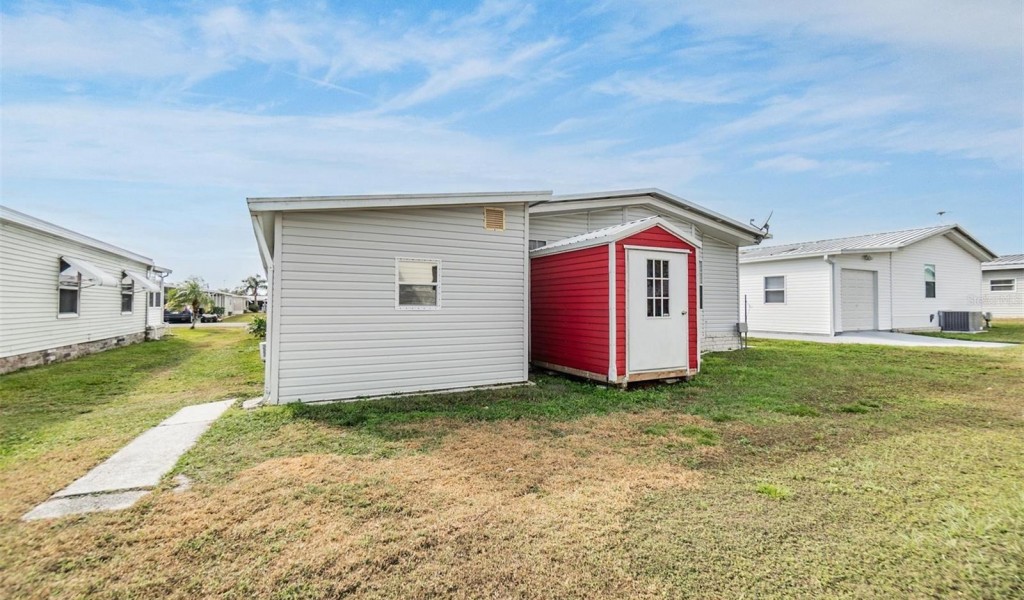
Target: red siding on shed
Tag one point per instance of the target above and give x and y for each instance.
(569, 309)
(655, 237)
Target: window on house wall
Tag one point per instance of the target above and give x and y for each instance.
(127, 294)
(534, 244)
(69, 290)
(775, 289)
(418, 283)
(929, 281)
(154, 299)
(1002, 285)
(657, 288)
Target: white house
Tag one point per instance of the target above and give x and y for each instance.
(720, 239)
(899, 280)
(380, 295)
(233, 304)
(375, 295)
(1002, 286)
(63, 294)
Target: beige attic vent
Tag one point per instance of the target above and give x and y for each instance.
(494, 219)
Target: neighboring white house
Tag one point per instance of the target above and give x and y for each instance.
(63, 294)
(375, 295)
(1002, 286)
(233, 304)
(899, 280)
(720, 237)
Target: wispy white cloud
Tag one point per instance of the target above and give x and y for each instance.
(794, 163)
(686, 90)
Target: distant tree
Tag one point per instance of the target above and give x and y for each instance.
(253, 284)
(190, 294)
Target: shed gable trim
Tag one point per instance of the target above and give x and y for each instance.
(612, 234)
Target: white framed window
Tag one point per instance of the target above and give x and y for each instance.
(534, 244)
(417, 283)
(775, 289)
(69, 290)
(154, 300)
(127, 294)
(657, 289)
(929, 281)
(1002, 285)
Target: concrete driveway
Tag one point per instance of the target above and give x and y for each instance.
(881, 338)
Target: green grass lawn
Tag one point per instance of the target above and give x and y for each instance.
(1007, 330)
(241, 318)
(786, 470)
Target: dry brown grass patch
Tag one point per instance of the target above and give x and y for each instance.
(497, 509)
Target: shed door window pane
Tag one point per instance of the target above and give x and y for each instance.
(929, 281)
(418, 282)
(127, 294)
(1002, 285)
(657, 288)
(775, 289)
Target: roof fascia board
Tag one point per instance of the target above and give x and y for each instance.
(1003, 267)
(391, 201)
(30, 222)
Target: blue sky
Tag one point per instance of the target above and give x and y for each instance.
(148, 124)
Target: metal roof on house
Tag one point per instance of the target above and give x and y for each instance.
(1010, 261)
(874, 242)
(20, 218)
(664, 196)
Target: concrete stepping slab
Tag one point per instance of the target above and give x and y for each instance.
(122, 479)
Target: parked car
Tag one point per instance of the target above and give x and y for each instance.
(177, 317)
(209, 317)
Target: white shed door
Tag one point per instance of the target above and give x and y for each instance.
(656, 326)
(858, 299)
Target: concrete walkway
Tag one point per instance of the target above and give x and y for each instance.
(124, 478)
(882, 338)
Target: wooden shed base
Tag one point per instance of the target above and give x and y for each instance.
(684, 374)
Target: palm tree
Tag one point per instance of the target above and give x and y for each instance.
(191, 294)
(253, 284)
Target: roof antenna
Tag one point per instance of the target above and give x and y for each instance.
(765, 226)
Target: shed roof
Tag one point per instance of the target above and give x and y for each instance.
(1010, 261)
(610, 234)
(869, 243)
(30, 222)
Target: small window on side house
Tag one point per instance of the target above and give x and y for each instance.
(69, 290)
(418, 283)
(1002, 285)
(775, 289)
(127, 294)
(929, 281)
(534, 244)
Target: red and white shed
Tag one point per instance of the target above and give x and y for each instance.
(618, 304)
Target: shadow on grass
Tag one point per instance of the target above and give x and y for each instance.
(41, 397)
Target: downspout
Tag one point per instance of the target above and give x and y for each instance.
(832, 294)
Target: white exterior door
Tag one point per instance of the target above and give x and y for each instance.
(858, 299)
(656, 305)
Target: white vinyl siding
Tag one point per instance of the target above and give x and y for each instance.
(340, 334)
(957, 282)
(720, 265)
(1003, 303)
(29, 298)
(808, 305)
